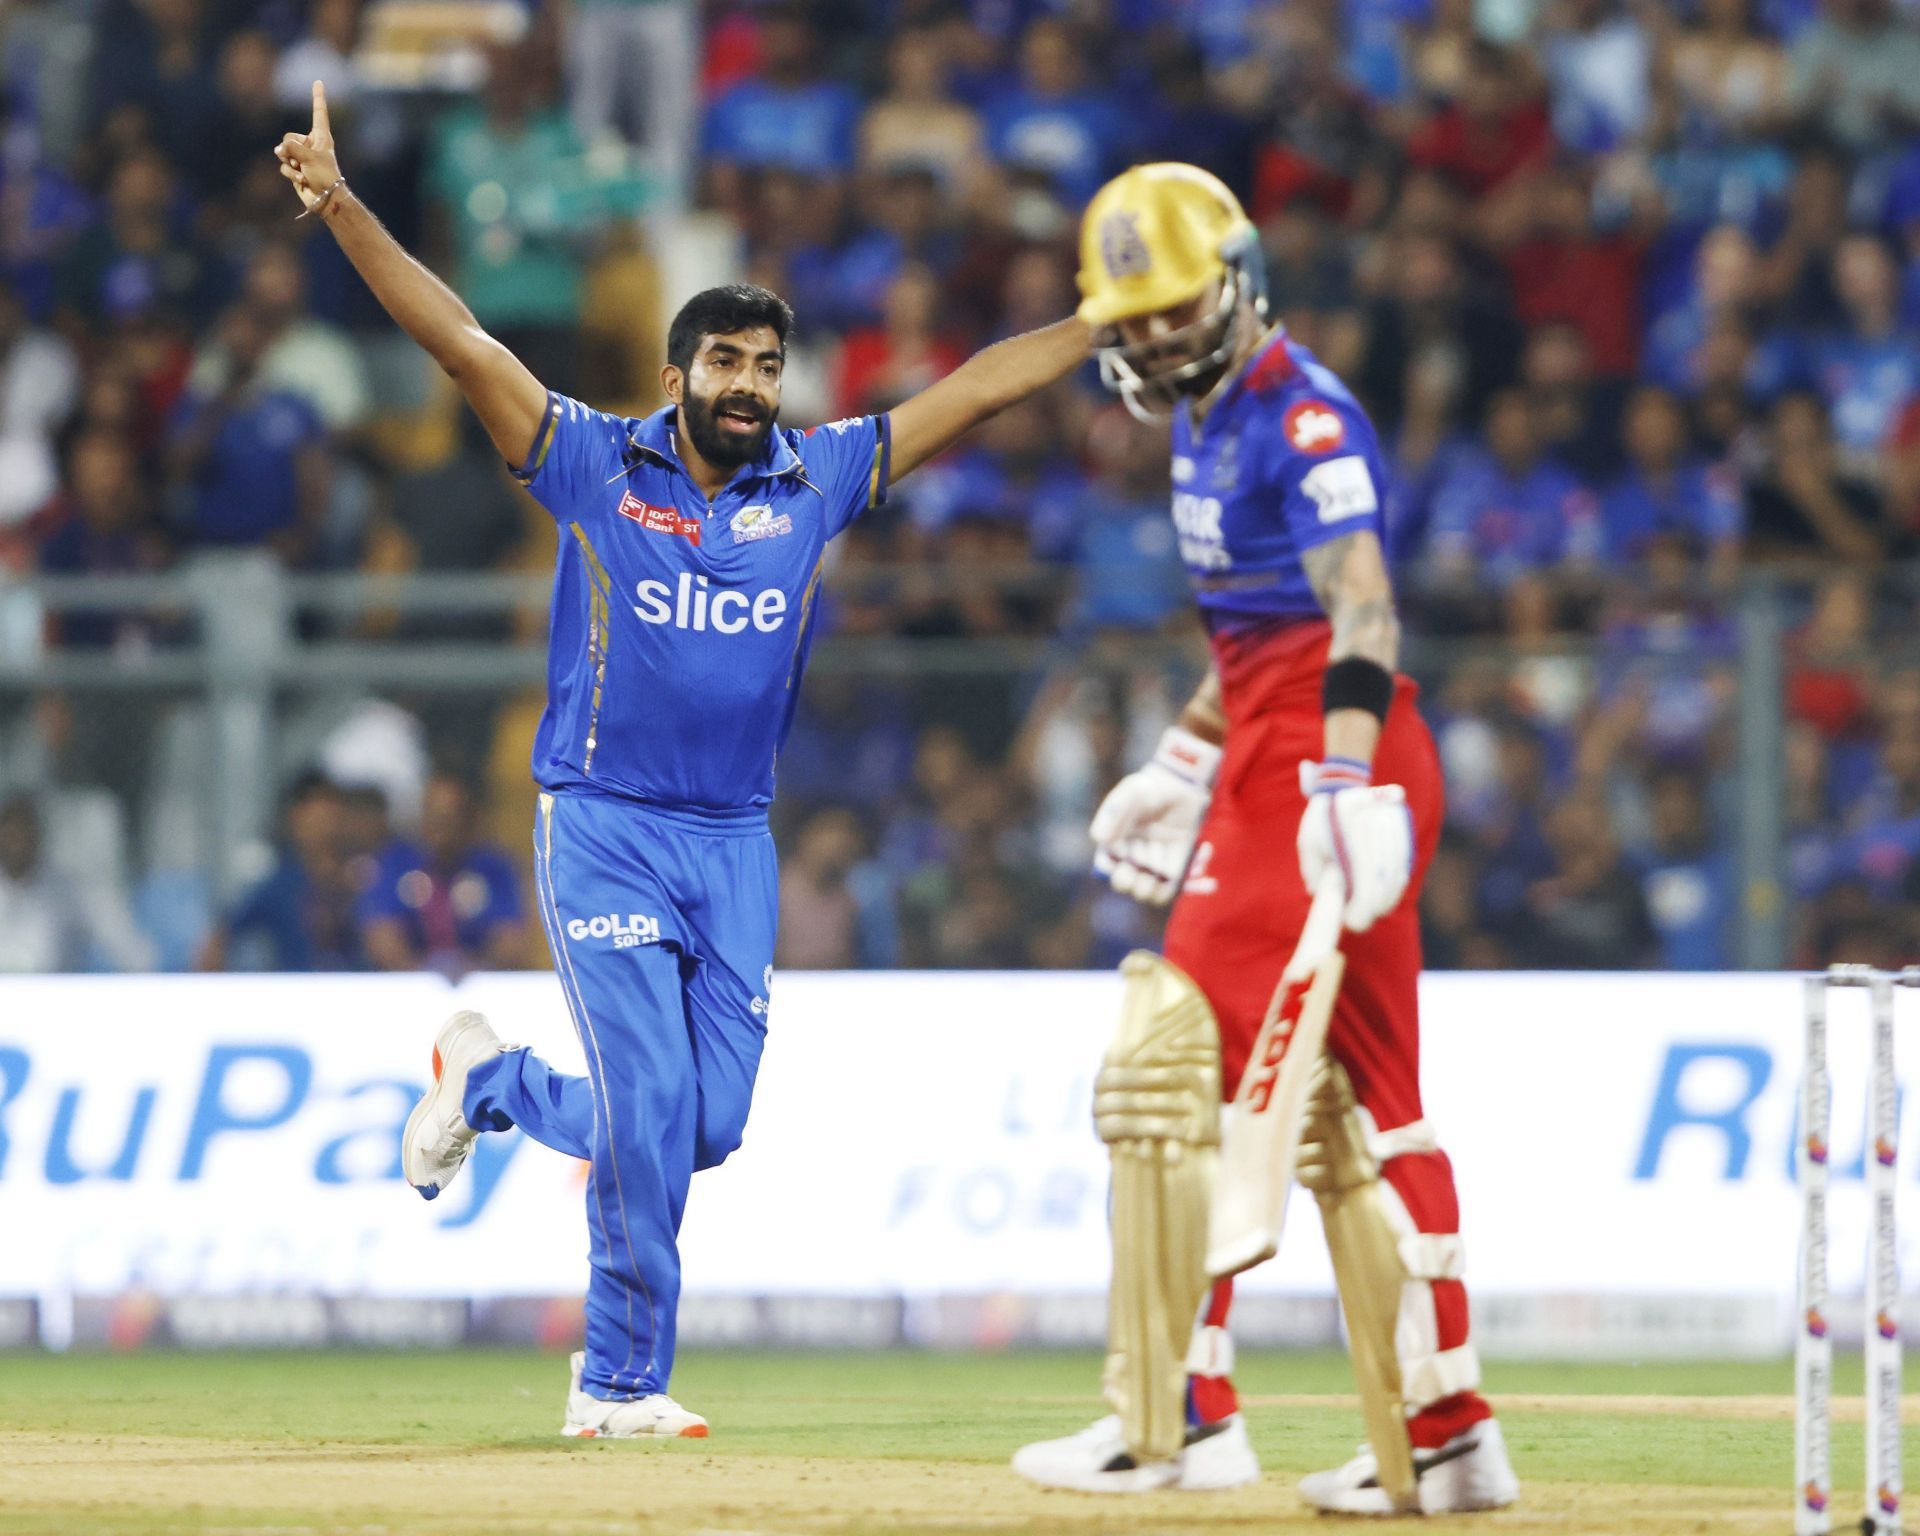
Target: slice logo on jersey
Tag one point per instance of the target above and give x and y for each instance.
(660, 519)
(1122, 249)
(1313, 426)
(628, 932)
(1341, 488)
(692, 603)
(751, 524)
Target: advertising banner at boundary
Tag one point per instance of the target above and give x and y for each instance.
(915, 1138)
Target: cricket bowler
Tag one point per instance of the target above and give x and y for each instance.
(1304, 734)
(691, 550)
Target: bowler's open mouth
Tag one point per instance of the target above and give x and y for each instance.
(740, 418)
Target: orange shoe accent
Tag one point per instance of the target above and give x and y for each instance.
(436, 1063)
(586, 1434)
(693, 1432)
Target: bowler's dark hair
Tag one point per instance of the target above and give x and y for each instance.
(722, 312)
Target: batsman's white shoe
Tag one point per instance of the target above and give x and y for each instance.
(437, 1138)
(1469, 1472)
(1096, 1460)
(657, 1417)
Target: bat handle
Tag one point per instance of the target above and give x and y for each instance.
(1321, 935)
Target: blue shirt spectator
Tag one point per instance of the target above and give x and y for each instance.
(449, 902)
(1505, 510)
(1689, 882)
(299, 916)
(1052, 123)
(788, 117)
(247, 461)
(1667, 492)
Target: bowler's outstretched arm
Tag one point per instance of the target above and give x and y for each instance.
(988, 382)
(509, 400)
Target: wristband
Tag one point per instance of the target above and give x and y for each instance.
(1338, 773)
(1187, 756)
(1353, 682)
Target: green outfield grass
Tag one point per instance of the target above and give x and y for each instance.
(355, 1442)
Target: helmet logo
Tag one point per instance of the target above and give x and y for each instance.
(1121, 247)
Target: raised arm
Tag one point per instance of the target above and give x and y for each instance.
(509, 400)
(988, 382)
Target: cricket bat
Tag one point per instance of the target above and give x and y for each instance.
(1260, 1147)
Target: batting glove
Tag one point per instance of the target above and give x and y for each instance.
(1362, 829)
(1144, 832)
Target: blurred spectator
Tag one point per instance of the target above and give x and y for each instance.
(1870, 366)
(1669, 492)
(104, 526)
(1598, 61)
(1800, 501)
(1590, 913)
(1724, 276)
(917, 125)
(819, 917)
(39, 387)
(41, 927)
(302, 357)
(1856, 73)
(1502, 511)
(493, 178)
(299, 916)
(1127, 568)
(633, 66)
(1055, 121)
(790, 116)
(1563, 268)
(1494, 129)
(1687, 875)
(447, 903)
(879, 368)
(1728, 78)
(139, 256)
(247, 459)
(324, 52)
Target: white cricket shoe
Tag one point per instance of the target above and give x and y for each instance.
(1096, 1460)
(437, 1138)
(1469, 1472)
(656, 1417)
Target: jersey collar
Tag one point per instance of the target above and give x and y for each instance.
(656, 439)
(1256, 365)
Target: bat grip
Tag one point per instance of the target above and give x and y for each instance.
(1321, 935)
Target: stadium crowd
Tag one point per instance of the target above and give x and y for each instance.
(1632, 291)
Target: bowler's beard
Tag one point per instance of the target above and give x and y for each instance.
(723, 449)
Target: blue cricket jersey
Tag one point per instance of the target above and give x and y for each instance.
(1284, 461)
(680, 628)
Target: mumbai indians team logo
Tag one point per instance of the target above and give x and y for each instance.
(1121, 246)
(751, 524)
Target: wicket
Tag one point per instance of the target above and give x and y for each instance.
(1813, 1351)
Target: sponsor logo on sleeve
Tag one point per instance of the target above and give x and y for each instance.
(751, 524)
(660, 519)
(1313, 426)
(1341, 488)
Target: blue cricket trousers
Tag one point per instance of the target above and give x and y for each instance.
(661, 925)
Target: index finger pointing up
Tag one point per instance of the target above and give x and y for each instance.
(320, 124)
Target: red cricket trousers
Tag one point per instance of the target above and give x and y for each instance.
(1232, 929)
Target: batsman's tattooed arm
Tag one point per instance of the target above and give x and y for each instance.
(1349, 576)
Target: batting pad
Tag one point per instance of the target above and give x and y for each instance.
(1156, 1104)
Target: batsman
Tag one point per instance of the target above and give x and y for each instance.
(1288, 987)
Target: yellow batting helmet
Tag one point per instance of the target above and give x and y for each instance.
(1154, 237)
